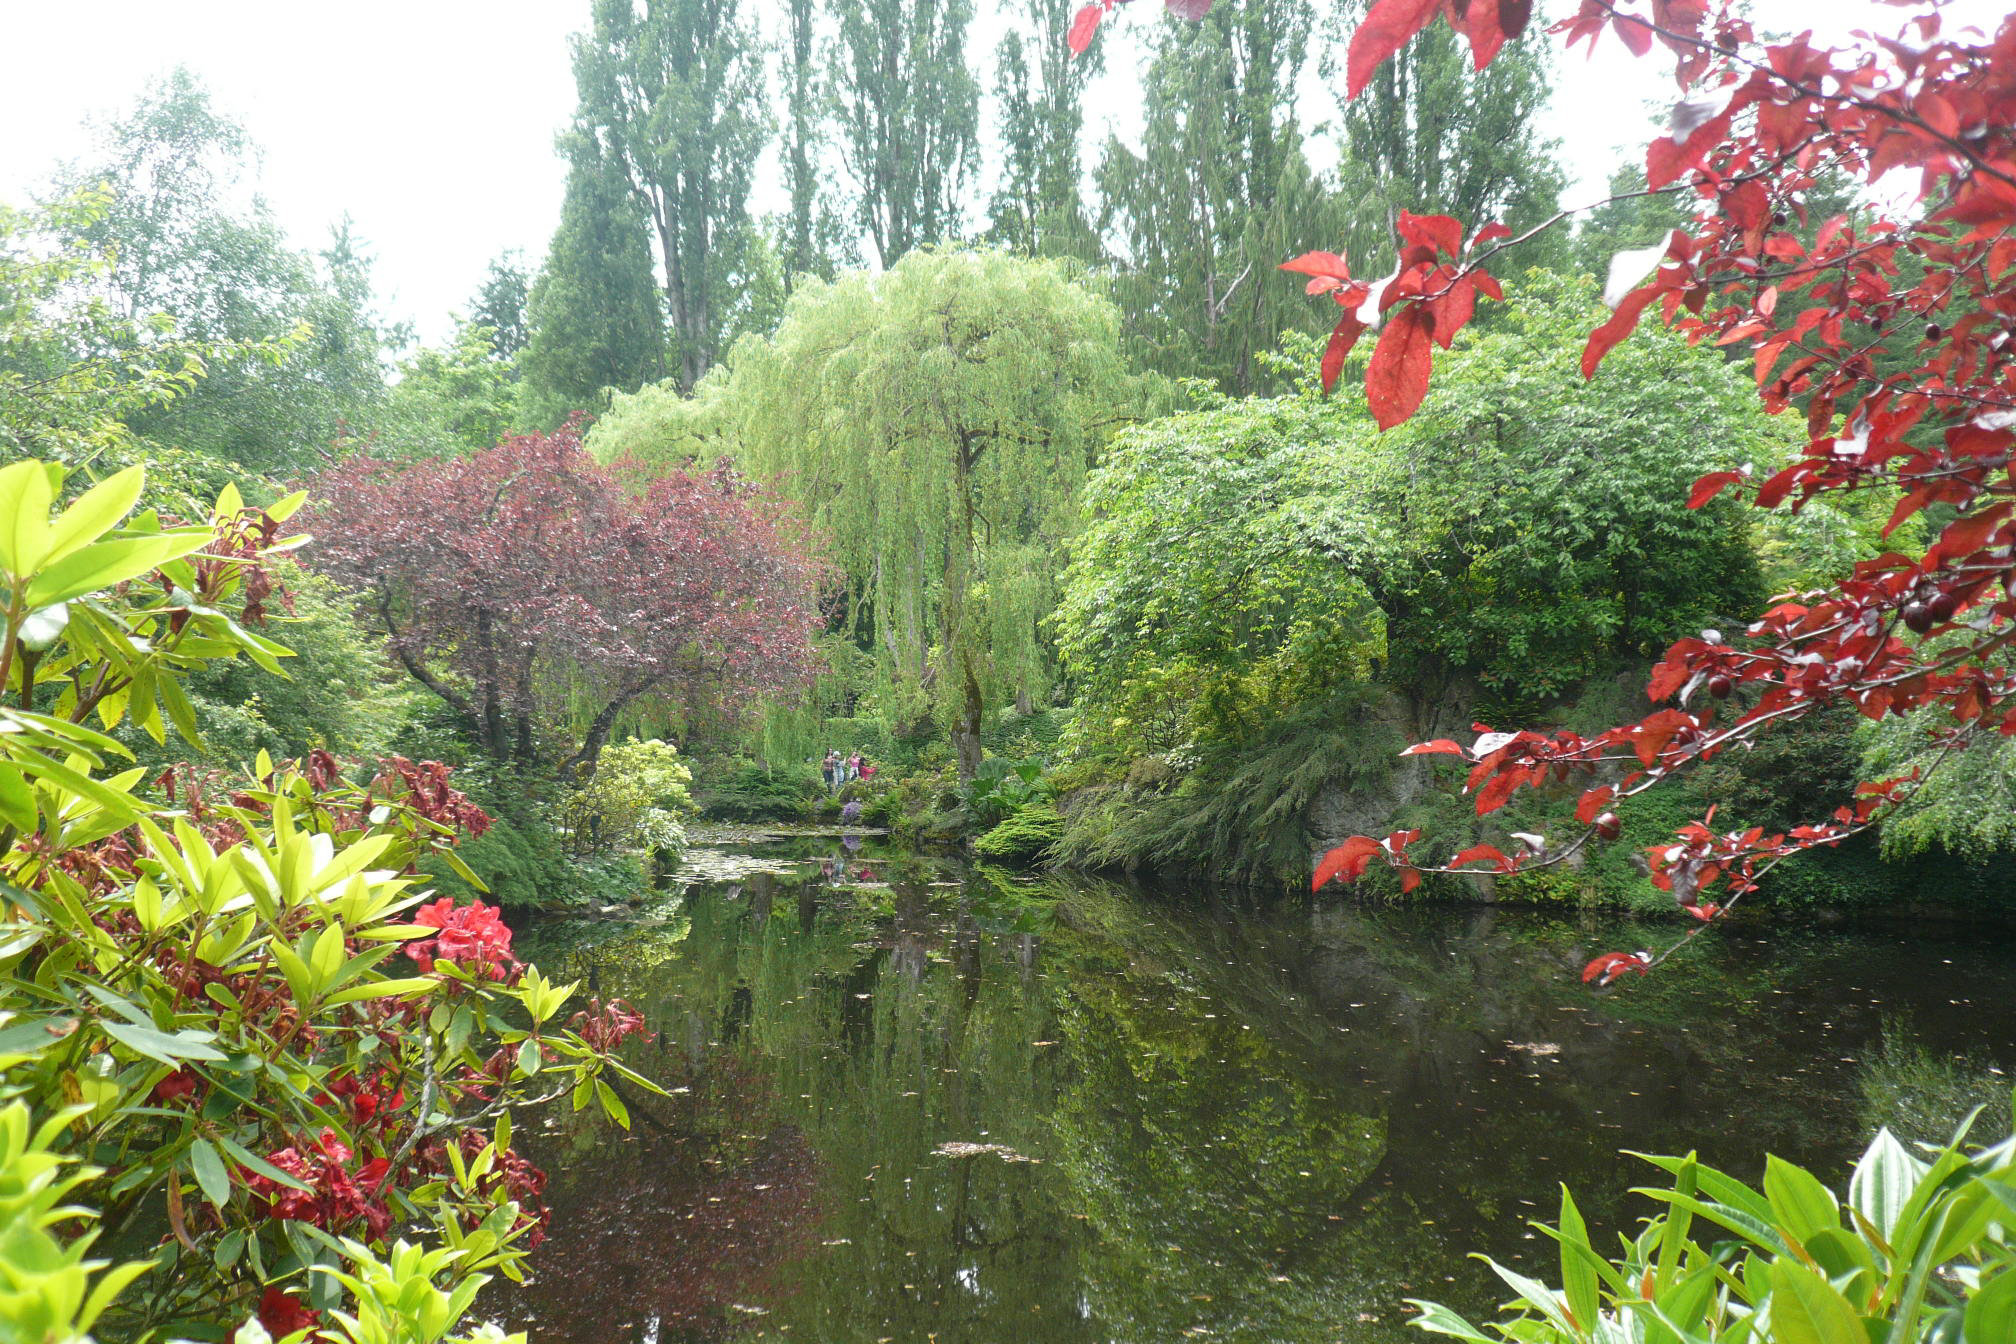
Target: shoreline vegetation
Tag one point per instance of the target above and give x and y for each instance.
(1094, 526)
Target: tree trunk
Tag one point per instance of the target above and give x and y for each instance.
(966, 727)
(958, 641)
(582, 762)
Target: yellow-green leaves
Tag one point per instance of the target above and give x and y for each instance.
(96, 511)
(25, 496)
(52, 561)
(105, 563)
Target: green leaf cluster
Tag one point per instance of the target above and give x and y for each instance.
(1920, 1250)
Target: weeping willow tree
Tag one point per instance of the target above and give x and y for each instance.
(935, 422)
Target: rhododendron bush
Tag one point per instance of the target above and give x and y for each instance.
(1887, 329)
(235, 1027)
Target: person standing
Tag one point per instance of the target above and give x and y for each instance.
(854, 766)
(829, 769)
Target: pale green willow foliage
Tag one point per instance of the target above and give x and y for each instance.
(936, 422)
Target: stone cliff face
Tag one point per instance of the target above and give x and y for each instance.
(1338, 812)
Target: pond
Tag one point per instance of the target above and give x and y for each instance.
(922, 1102)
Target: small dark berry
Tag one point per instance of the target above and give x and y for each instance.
(1944, 607)
(1608, 826)
(1719, 686)
(1932, 332)
(1918, 616)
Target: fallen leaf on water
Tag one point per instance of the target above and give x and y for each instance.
(1000, 1150)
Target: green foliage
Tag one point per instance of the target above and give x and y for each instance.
(906, 108)
(1525, 523)
(1967, 804)
(1432, 135)
(1919, 1250)
(48, 1289)
(337, 692)
(525, 861)
(500, 305)
(297, 346)
(739, 789)
(674, 90)
(1219, 193)
(459, 398)
(1025, 837)
(813, 235)
(189, 991)
(73, 370)
(1039, 85)
(400, 1301)
(935, 422)
(1513, 541)
(1002, 786)
(637, 799)
(1922, 1097)
(1235, 811)
(596, 319)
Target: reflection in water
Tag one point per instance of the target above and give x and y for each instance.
(982, 1109)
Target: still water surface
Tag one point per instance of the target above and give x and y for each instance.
(923, 1102)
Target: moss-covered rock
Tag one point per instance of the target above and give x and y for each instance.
(1026, 837)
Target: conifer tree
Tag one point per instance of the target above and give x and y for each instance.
(1038, 207)
(675, 89)
(1219, 194)
(907, 108)
(594, 311)
(500, 305)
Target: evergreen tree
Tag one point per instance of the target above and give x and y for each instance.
(1219, 195)
(1437, 137)
(1038, 207)
(500, 306)
(675, 89)
(594, 312)
(907, 107)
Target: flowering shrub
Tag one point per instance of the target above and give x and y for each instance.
(638, 798)
(230, 1018)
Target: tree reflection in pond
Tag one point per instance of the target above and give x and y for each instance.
(1244, 1121)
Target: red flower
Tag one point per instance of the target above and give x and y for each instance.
(473, 936)
(282, 1315)
(334, 1198)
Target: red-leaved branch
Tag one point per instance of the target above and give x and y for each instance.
(1891, 328)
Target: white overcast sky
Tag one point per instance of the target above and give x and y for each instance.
(431, 122)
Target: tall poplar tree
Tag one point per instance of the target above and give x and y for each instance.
(676, 90)
(1219, 194)
(907, 109)
(1435, 136)
(811, 237)
(594, 310)
(1038, 208)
